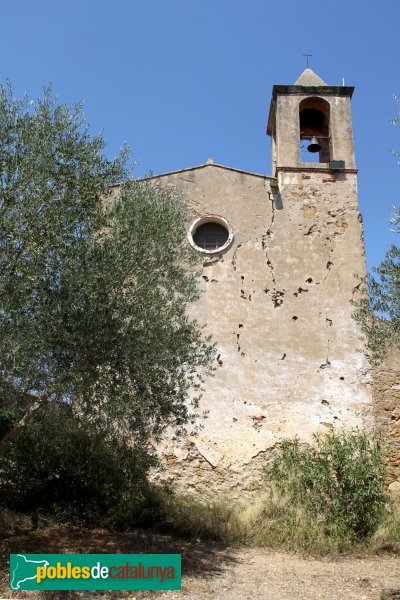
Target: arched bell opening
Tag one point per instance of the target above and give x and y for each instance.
(314, 114)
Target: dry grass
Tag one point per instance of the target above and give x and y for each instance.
(387, 536)
(272, 521)
(267, 520)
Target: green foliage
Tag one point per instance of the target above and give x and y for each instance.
(339, 480)
(378, 309)
(95, 278)
(146, 271)
(52, 177)
(143, 509)
(7, 420)
(62, 466)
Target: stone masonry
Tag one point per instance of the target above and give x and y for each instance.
(386, 381)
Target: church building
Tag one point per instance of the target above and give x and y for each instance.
(282, 256)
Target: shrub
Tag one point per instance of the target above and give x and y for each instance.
(339, 479)
(64, 467)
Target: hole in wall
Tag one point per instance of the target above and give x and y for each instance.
(300, 291)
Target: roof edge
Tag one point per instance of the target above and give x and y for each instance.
(324, 90)
(204, 166)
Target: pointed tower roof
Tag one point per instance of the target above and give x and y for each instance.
(309, 78)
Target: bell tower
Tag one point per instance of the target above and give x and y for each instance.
(310, 126)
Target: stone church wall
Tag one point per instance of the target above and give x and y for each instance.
(278, 305)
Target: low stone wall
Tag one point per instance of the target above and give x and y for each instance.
(386, 383)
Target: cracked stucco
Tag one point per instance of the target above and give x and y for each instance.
(277, 303)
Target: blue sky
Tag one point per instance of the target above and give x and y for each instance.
(184, 80)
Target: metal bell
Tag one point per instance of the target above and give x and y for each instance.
(313, 146)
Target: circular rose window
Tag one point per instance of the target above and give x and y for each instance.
(210, 234)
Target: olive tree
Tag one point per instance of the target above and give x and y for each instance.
(95, 280)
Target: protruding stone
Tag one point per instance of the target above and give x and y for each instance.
(394, 488)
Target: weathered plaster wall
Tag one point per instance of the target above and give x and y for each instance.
(278, 305)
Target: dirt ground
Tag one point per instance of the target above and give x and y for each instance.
(212, 571)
